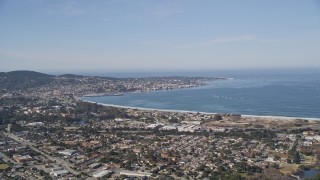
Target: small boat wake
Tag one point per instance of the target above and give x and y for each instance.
(226, 98)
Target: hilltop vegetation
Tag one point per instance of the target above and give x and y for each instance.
(20, 80)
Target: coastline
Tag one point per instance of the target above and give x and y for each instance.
(204, 84)
(195, 112)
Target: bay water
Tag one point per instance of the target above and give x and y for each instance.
(292, 93)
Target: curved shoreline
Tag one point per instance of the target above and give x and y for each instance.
(186, 111)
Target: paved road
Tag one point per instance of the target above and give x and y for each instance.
(7, 159)
(64, 163)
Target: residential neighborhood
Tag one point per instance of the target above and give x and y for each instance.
(49, 133)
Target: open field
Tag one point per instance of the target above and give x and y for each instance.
(3, 166)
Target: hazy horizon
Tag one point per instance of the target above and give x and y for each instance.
(189, 72)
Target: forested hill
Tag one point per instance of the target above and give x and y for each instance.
(26, 74)
(23, 79)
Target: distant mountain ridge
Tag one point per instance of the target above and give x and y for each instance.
(23, 79)
(24, 73)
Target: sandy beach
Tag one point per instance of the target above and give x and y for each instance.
(207, 113)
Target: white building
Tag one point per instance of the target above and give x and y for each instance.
(35, 124)
(67, 152)
(317, 138)
(152, 126)
(191, 122)
(169, 127)
(102, 173)
(135, 173)
(59, 173)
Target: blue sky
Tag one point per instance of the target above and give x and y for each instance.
(128, 35)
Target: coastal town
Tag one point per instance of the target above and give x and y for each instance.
(47, 132)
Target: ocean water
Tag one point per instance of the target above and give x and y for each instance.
(311, 173)
(269, 93)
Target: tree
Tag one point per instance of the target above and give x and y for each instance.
(217, 117)
(276, 157)
(296, 158)
(235, 177)
(201, 167)
(179, 173)
(173, 120)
